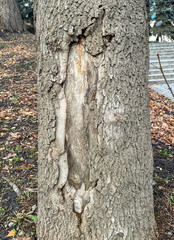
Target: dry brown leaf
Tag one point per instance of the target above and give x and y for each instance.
(11, 233)
(3, 114)
(172, 140)
(34, 135)
(15, 135)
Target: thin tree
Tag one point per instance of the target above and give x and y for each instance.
(10, 16)
(95, 154)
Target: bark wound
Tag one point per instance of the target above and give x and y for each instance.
(81, 78)
(73, 90)
(80, 91)
(81, 199)
(57, 151)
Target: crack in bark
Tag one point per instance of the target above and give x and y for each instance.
(79, 218)
(84, 202)
(107, 39)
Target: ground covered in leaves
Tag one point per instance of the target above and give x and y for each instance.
(162, 129)
(18, 144)
(18, 136)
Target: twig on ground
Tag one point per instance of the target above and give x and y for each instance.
(31, 189)
(15, 188)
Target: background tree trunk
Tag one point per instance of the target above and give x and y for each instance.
(95, 155)
(10, 16)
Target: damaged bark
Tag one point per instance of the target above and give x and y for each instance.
(95, 156)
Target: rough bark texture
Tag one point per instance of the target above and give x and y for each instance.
(10, 16)
(95, 156)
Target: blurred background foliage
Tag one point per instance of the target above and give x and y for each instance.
(161, 18)
(26, 9)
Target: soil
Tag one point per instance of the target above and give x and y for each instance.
(18, 144)
(18, 135)
(162, 129)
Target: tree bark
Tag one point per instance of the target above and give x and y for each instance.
(10, 16)
(95, 155)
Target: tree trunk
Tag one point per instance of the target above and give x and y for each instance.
(10, 16)
(95, 155)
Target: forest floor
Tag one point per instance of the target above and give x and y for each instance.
(18, 144)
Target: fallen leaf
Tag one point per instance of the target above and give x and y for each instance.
(11, 233)
(13, 220)
(34, 135)
(15, 135)
(8, 156)
(159, 147)
(3, 114)
(172, 140)
(164, 125)
(5, 168)
(26, 165)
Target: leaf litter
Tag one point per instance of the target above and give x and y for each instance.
(162, 134)
(18, 144)
(18, 136)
